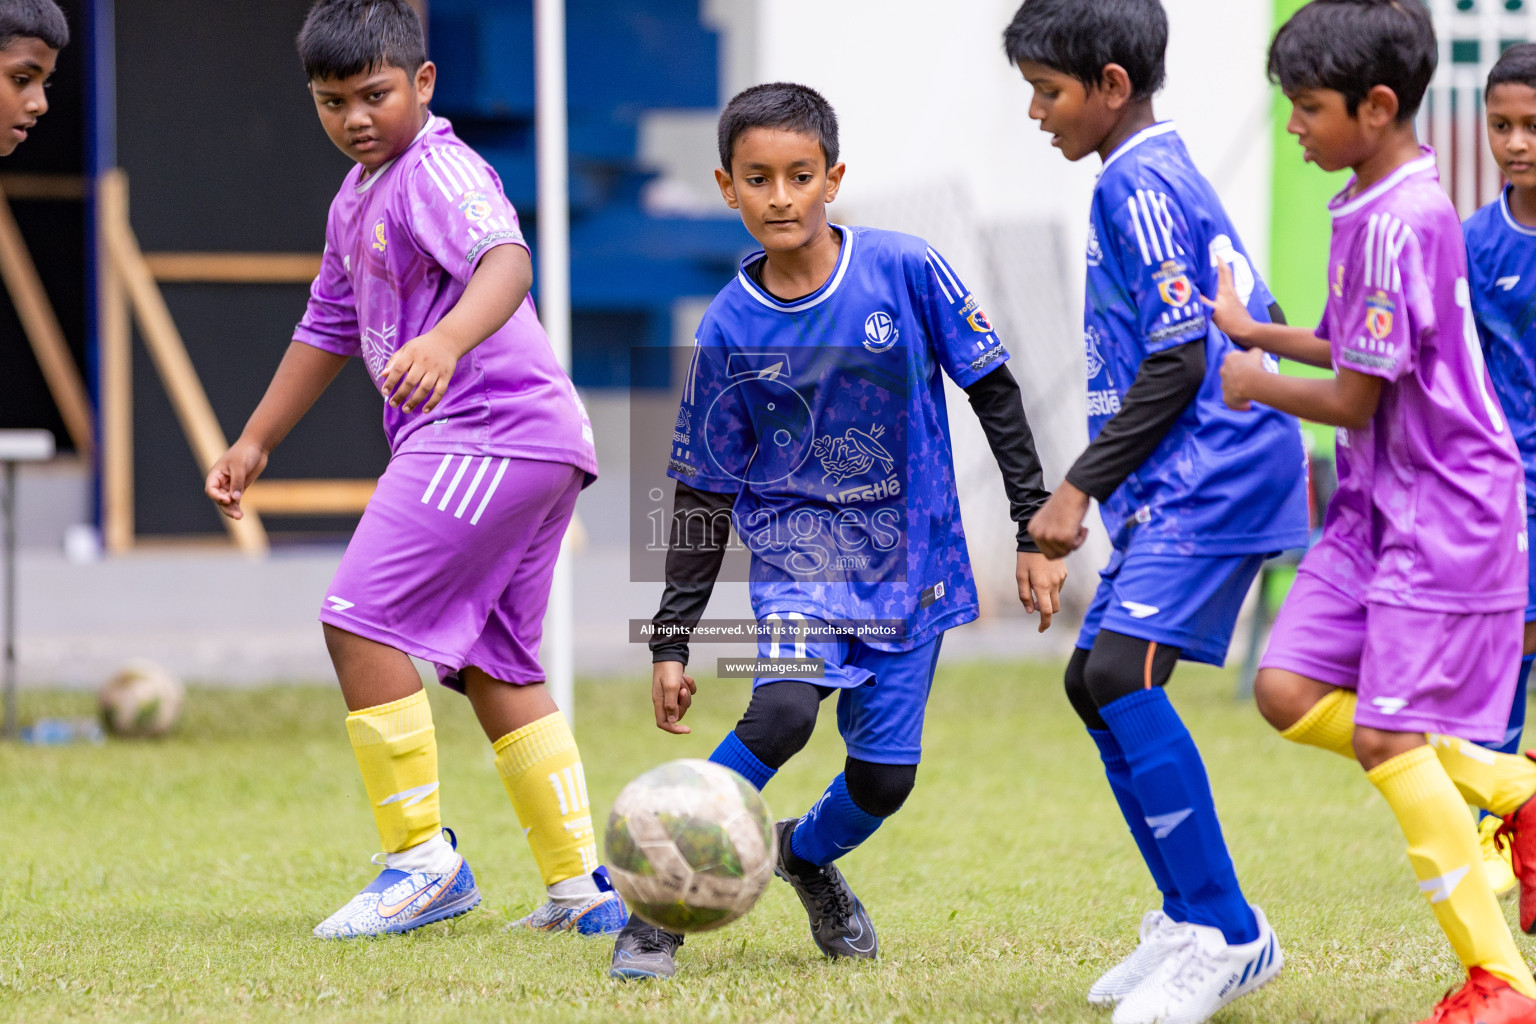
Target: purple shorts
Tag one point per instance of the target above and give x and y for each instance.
(1414, 669)
(453, 559)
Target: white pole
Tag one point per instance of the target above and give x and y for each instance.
(554, 235)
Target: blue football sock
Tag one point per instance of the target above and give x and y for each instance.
(833, 827)
(1175, 796)
(1515, 730)
(734, 755)
(1119, 772)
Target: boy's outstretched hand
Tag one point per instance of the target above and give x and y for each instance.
(232, 474)
(1227, 309)
(672, 692)
(1058, 527)
(419, 371)
(1040, 581)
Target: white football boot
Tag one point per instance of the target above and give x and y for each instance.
(1202, 975)
(1160, 935)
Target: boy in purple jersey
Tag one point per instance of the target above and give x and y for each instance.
(1400, 639)
(32, 32)
(426, 277)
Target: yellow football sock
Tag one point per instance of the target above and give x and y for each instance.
(396, 749)
(1498, 783)
(1442, 846)
(1329, 725)
(541, 768)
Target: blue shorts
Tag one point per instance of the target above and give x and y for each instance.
(881, 695)
(1530, 598)
(1184, 601)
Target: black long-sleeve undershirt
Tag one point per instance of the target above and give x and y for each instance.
(701, 519)
(1165, 385)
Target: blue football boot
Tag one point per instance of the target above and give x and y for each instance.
(398, 901)
(602, 914)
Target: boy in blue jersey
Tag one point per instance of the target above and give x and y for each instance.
(813, 420)
(1501, 264)
(1194, 496)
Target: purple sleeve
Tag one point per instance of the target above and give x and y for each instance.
(961, 335)
(330, 320)
(1386, 307)
(457, 211)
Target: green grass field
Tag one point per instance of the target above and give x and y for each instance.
(179, 880)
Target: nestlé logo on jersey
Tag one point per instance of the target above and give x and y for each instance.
(880, 331)
(1173, 284)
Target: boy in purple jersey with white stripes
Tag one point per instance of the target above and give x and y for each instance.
(1399, 642)
(426, 277)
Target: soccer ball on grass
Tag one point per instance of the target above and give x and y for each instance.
(690, 846)
(142, 699)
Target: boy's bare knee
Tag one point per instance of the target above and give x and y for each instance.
(1375, 746)
(1279, 699)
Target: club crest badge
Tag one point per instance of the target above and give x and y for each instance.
(1095, 357)
(1173, 284)
(476, 206)
(880, 331)
(1379, 312)
(1095, 250)
(380, 243)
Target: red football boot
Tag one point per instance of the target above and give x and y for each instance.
(1484, 999)
(1519, 833)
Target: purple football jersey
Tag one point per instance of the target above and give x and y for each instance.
(400, 246)
(1430, 511)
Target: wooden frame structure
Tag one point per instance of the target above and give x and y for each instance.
(129, 290)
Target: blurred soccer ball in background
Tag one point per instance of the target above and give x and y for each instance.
(142, 699)
(690, 846)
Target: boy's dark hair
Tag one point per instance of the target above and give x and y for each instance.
(795, 108)
(1516, 66)
(341, 38)
(34, 19)
(1352, 46)
(1080, 37)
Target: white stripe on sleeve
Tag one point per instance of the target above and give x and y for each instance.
(1141, 236)
(426, 161)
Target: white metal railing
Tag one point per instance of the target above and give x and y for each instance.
(1472, 35)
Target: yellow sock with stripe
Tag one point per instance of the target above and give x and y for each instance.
(1498, 783)
(396, 749)
(1330, 725)
(1442, 846)
(541, 769)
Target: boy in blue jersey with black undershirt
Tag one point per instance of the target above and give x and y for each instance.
(813, 419)
(1194, 496)
(1501, 265)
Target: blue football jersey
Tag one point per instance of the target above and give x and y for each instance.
(1221, 482)
(826, 418)
(1501, 264)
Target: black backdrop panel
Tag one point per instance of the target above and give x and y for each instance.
(224, 153)
(55, 234)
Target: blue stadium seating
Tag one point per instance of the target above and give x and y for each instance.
(627, 267)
